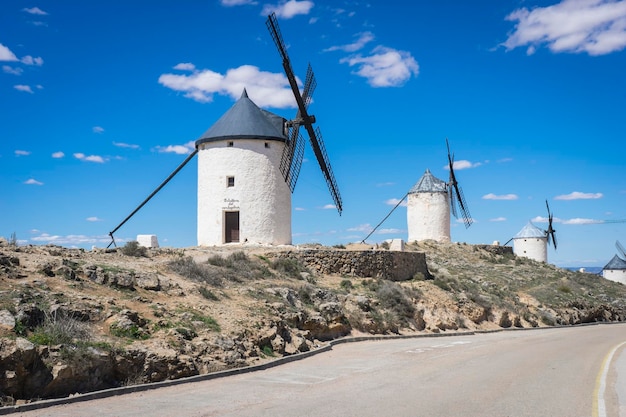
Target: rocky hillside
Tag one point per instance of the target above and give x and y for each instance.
(76, 321)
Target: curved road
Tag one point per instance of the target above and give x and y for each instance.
(569, 372)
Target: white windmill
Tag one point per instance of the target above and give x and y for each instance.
(430, 202)
(532, 242)
(615, 270)
(248, 165)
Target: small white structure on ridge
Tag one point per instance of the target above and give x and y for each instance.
(396, 245)
(148, 241)
(615, 270)
(428, 210)
(531, 242)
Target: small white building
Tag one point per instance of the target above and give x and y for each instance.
(531, 242)
(428, 210)
(148, 241)
(242, 195)
(615, 270)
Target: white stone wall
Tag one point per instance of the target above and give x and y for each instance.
(616, 275)
(260, 193)
(531, 247)
(428, 216)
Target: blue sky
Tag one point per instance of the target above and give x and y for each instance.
(102, 100)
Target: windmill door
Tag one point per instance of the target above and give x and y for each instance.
(231, 229)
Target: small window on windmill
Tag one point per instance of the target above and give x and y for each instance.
(230, 181)
(230, 144)
(267, 144)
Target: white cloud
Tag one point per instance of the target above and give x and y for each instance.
(578, 220)
(34, 10)
(394, 201)
(185, 149)
(577, 195)
(58, 155)
(93, 219)
(492, 196)
(363, 39)
(33, 181)
(329, 207)
(462, 164)
(288, 9)
(29, 60)
(185, 66)
(20, 152)
(72, 239)
(6, 54)
(366, 227)
(541, 219)
(299, 209)
(385, 67)
(97, 129)
(125, 145)
(498, 219)
(596, 27)
(90, 158)
(266, 89)
(389, 231)
(24, 88)
(11, 70)
(230, 3)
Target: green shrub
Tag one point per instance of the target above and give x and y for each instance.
(208, 294)
(132, 248)
(188, 268)
(60, 329)
(346, 284)
(290, 267)
(393, 297)
(131, 332)
(564, 289)
(238, 267)
(267, 350)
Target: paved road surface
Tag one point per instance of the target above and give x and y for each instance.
(546, 372)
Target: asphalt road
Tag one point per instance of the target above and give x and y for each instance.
(569, 372)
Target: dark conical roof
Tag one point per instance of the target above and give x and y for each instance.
(616, 263)
(245, 120)
(429, 184)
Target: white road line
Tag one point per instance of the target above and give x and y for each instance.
(429, 348)
(599, 404)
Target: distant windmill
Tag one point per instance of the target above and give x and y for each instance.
(430, 202)
(248, 166)
(615, 270)
(532, 242)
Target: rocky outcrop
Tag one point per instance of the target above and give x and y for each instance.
(128, 320)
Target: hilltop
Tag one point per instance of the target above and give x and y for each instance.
(73, 320)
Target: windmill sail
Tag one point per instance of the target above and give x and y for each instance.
(550, 233)
(303, 118)
(621, 249)
(456, 193)
(291, 159)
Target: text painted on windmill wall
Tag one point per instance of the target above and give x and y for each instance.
(230, 204)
